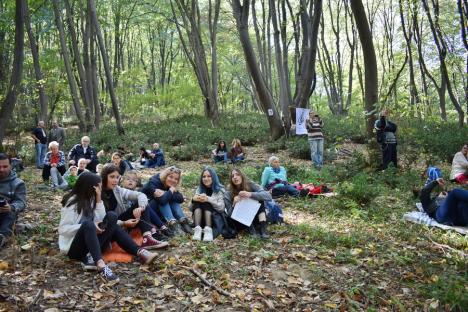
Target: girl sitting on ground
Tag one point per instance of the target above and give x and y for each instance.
(165, 199)
(237, 151)
(121, 163)
(208, 200)
(274, 179)
(220, 153)
(131, 181)
(241, 188)
(86, 230)
(115, 197)
(144, 156)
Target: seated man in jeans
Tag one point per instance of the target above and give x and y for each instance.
(12, 198)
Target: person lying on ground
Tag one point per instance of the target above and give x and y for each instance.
(274, 179)
(241, 188)
(86, 230)
(114, 198)
(447, 208)
(166, 199)
(207, 201)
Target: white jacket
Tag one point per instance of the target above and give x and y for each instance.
(459, 165)
(216, 200)
(70, 224)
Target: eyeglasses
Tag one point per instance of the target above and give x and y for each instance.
(174, 169)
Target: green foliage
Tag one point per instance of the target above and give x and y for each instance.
(298, 147)
(449, 289)
(337, 129)
(361, 189)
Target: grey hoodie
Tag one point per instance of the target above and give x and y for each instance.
(13, 190)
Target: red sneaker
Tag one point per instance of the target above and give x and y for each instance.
(150, 243)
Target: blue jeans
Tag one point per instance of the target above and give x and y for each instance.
(220, 158)
(237, 158)
(171, 211)
(153, 212)
(283, 190)
(316, 151)
(41, 150)
(454, 209)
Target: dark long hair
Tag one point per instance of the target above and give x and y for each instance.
(83, 194)
(106, 171)
(216, 186)
(219, 146)
(245, 185)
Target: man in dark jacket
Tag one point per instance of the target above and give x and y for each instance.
(40, 143)
(12, 198)
(84, 150)
(57, 134)
(386, 137)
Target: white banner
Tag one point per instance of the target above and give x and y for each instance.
(302, 114)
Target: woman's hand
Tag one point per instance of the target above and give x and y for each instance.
(173, 189)
(137, 212)
(158, 193)
(130, 223)
(245, 194)
(98, 229)
(236, 199)
(98, 190)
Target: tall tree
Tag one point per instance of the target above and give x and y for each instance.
(107, 70)
(370, 65)
(9, 102)
(241, 14)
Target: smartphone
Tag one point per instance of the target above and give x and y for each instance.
(2, 202)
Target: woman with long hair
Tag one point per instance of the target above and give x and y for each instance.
(86, 230)
(220, 153)
(241, 188)
(115, 198)
(166, 199)
(237, 151)
(207, 201)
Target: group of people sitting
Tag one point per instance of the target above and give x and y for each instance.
(102, 208)
(234, 155)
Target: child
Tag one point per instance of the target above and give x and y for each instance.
(99, 168)
(72, 176)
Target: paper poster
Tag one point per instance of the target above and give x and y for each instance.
(302, 114)
(270, 112)
(245, 211)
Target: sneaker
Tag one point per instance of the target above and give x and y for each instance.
(150, 243)
(197, 233)
(145, 256)
(175, 229)
(109, 276)
(158, 235)
(167, 231)
(88, 263)
(185, 226)
(207, 234)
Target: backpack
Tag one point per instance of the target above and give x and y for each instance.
(274, 212)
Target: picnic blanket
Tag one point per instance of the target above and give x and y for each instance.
(117, 254)
(422, 218)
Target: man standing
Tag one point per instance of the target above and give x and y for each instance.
(12, 198)
(57, 134)
(40, 141)
(84, 150)
(387, 139)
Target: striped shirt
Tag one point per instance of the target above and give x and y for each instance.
(314, 128)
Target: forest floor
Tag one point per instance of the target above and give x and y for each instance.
(324, 259)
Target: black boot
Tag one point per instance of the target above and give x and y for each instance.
(263, 230)
(159, 235)
(175, 228)
(185, 226)
(252, 231)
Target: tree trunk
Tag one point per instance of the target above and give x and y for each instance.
(370, 65)
(68, 67)
(241, 14)
(37, 66)
(105, 60)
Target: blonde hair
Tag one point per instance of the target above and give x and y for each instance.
(168, 171)
(132, 173)
(236, 143)
(53, 144)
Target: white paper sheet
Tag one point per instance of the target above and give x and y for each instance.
(302, 114)
(245, 211)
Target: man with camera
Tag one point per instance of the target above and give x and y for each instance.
(387, 139)
(12, 198)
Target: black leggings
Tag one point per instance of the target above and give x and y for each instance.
(145, 222)
(87, 240)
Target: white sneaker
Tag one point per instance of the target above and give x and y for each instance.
(197, 232)
(207, 234)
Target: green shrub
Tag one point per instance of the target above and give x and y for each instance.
(361, 189)
(298, 147)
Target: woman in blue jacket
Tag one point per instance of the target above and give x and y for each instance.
(166, 199)
(274, 179)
